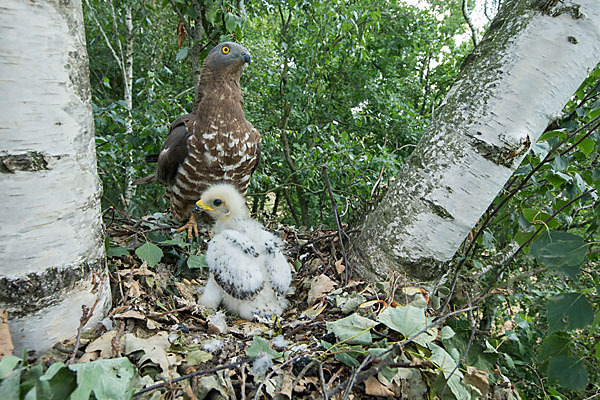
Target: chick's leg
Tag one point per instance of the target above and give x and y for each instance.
(191, 226)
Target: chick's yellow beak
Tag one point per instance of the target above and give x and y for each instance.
(200, 204)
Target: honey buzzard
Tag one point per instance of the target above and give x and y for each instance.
(215, 142)
(248, 271)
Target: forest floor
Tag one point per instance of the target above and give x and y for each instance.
(340, 337)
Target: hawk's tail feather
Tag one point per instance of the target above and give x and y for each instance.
(146, 179)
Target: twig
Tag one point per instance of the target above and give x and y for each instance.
(487, 291)
(271, 374)
(86, 314)
(348, 269)
(322, 378)
(197, 373)
(156, 315)
(473, 330)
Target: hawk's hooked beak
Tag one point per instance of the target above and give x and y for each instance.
(201, 206)
(246, 58)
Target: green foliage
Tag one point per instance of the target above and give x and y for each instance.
(260, 345)
(150, 253)
(102, 379)
(551, 208)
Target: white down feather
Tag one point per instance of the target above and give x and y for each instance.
(248, 271)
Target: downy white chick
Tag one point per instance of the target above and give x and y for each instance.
(248, 271)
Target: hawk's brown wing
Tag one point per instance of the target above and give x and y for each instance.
(174, 150)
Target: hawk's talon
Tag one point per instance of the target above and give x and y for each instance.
(192, 228)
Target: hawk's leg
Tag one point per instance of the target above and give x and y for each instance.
(191, 226)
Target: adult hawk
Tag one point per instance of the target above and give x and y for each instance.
(215, 142)
(248, 271)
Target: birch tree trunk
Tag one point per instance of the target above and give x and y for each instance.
(530, 62)
(52, 259)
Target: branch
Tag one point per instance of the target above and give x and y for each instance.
(114, 54)
(348, 269)
(467, 16)
(181, 17)
(193, 374)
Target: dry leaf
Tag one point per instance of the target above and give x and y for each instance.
(103, 345)
(134, 289)
(131, 314)
(320, 286)
(339, 267)
(155, 349)
(314, 310)
(478, 378)
(181, 35)
(6, 344)
(286, 385)
(374, 388)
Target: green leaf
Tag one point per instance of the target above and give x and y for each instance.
(408, 321)
(559, 163)
(553, 345)
(352, 329)
(230, 22)
(522, 237)
(195, 262)
(150, 253)
(58, 382)
(536, 216)
(568, 311)
(443, 360)
(198, 356)
(561, 251)
(260, 345)
(117, 252)
(586, 146)
(106, 379)
(568, 372)
(598, 351)
(7, 364)
(181, 54)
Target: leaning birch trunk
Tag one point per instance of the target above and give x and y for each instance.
(52, 259)
(517, 80)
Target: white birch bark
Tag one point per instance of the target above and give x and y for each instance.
(530, 62)
(52, 258)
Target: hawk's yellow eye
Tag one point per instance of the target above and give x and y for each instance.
(225, 50)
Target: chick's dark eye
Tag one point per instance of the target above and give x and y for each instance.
(217, 203)
(225, 50)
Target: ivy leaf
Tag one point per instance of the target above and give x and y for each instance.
(116, 252)
(568, 311)
(568, 372)
(260, 345)
(343, 356)
(107, 379)
(150, 253)
(195, 262)
(443, 360)
(408, 321)
(352, 329)
(58, 382)
(561, 251)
